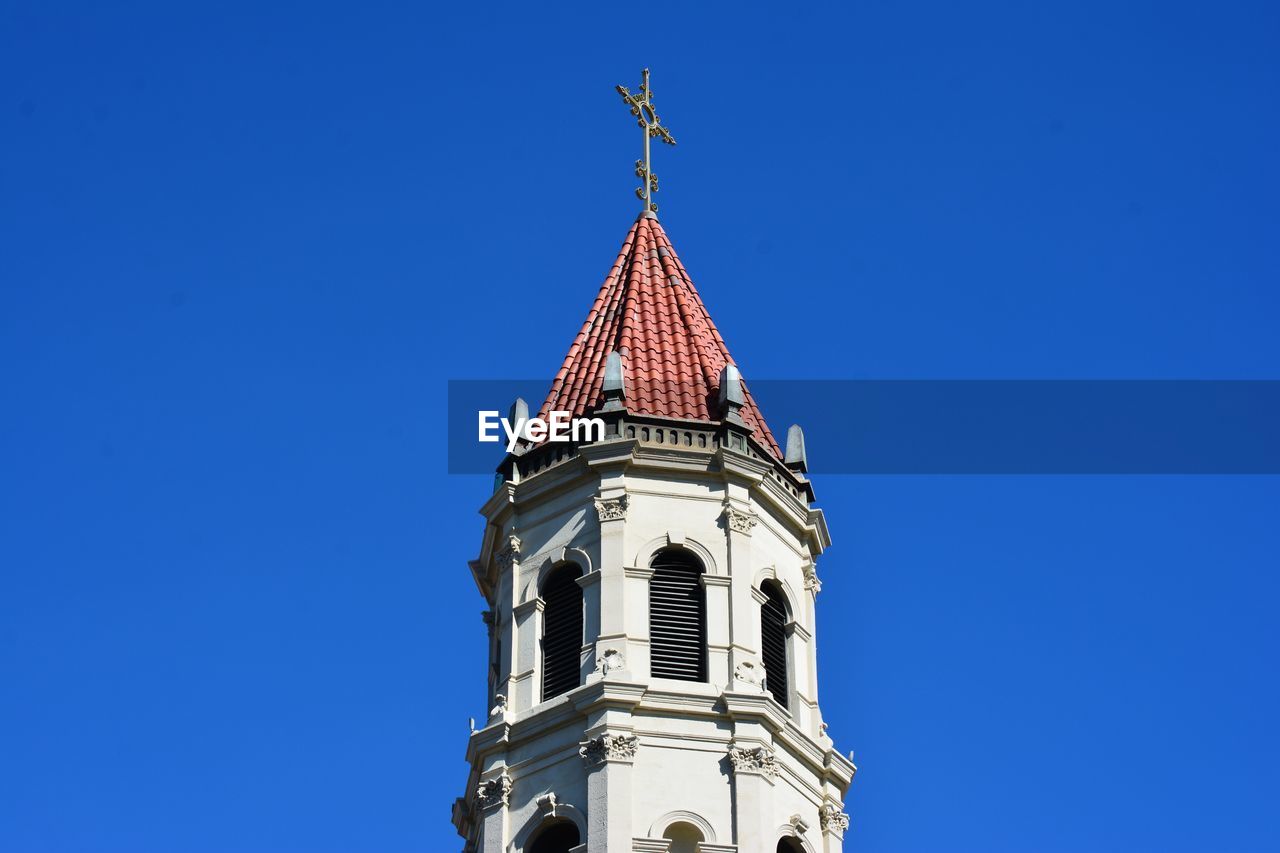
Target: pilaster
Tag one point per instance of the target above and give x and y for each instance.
(754, 766)
(525, 689)
(608, 804)
(590, 584)
(833, 822)
(507, 561)
(611, 509)
(636, 589)
(492, 798)
(608, 753)
(717, 590)
(803, 700)
(744, 623)
(812, 586)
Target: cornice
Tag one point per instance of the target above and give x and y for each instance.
(639, 699)
(820, 759)
(552, 482)
(818, 523)
(615, 452)
(748, 468)
(794, 627)
(486, 740)
(502, 500)
(627, 455)
(608, 695)
(523, 608)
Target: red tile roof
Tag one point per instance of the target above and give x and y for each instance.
(672, 355)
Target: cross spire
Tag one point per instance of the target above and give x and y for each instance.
(646, 116)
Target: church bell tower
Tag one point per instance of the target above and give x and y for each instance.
(652, 643)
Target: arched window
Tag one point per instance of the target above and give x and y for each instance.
(773, 640)
(685, 837)
(558, 837)
(677, 617)
(789, 845)
(561, 631)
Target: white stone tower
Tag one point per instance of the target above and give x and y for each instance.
(653, 660)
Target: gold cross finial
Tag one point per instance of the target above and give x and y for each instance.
(647, 117)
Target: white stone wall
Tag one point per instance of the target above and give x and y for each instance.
(721, 756)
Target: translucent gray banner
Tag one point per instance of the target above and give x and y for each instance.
(975, 427)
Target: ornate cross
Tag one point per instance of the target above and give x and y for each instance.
(647, 117)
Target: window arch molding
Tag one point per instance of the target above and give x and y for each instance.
(790, 831)
(769, 573)
(564, 811)
(560, 557)
(659, 826)
(649, 550)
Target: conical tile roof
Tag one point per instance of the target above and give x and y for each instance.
(649, 311)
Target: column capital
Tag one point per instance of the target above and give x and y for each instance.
(494, 792)
(739, 520)
(609, 747)
(509, 554)
(758, 760)
(611, 509)
(832, 819)
(811, 582)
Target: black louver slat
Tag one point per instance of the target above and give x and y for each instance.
(677, 618)
(562, 632)
(773, 641)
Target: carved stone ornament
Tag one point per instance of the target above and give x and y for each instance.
(750, 672)
(510, 552)
(604, 748)
(739, 521)
(610, 661)
(811, 581)
(799, 824)
(499, 706)
(758, 759)
(494, 792)
(613, 509)
(831, 819)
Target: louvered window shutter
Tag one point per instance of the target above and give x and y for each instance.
(561, 632)
(677, 618)
(773, 641)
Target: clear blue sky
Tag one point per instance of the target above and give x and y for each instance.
(245, 246)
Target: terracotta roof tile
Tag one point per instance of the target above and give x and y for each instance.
(672, 354)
